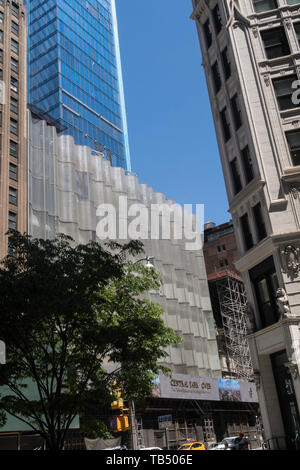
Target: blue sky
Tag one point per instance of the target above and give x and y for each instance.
(171, 132)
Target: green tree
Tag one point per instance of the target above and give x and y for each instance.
(65, 310)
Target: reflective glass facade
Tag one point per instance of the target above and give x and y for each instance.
(74, 72)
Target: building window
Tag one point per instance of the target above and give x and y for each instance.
(13, 196)
(13, 148)
(264, 5)
(236, 110)
(217, 18)
(247, 235)
(1, 35)
(13, 126)
(265, 283)
(1, 17)
(293, 139)
(247, 164)
(236, 177)
(226, 63)
(1, 56)
(14, 84)
(259, 222)
(224, 247)
(292, 2)
(1, 74)
(14, 46)
(225, 120)
(207, 33)
(219, 249)
(15, 28)
(284, 91)
(15, 10)
(216, 77)
(14, 105)
(13, 172)
(12, 220)
(297, 31)
(14, 65)
(275, 43)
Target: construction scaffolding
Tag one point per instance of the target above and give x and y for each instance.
(233, 305)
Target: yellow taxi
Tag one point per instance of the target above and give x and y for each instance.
(192, 446)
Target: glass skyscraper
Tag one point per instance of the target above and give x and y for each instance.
(74, 72)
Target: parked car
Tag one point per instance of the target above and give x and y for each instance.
(212, 446)
(231, 441)
(150, 448)
(192, 446)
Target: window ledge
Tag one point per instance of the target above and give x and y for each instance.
(291, 174)
(254, 186)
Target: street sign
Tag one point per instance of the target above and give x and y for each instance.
(165, 422)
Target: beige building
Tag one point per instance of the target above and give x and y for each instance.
(13, 205)
(251, 58)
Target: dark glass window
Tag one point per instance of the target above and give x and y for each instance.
(14, 65)
(226, 63)
(1, 17)
(12, 220)
(248, 239)
(14, 84)
(259, 222)
(236, 110)
(13, 126)
(225, 124)
(293, 139)
(265, 283)
(207, 33)
(13, 196)
(297, 30)
(216, 77)
(14, 46)
(275, 42)
(292, 2)
(13, 148)
(1, 35)
(236, 177)
(15, 10)
(217, 18)
(14, 105)
(264, 5)
(1, 56)
(15, 28)
(284, 91)
(13, 172)
(247, 164)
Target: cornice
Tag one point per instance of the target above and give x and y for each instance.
(243, 196)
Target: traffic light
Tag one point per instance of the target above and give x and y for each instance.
(119, 423)
(118, 404)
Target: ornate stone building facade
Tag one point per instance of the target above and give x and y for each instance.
(13, 188)
(251, 57)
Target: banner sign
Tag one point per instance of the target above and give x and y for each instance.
(189, 387)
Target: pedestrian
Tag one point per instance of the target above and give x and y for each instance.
(243, 442)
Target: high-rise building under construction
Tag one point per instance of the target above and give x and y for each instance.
(74, 72)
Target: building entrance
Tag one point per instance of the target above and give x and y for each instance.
(287, 400)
